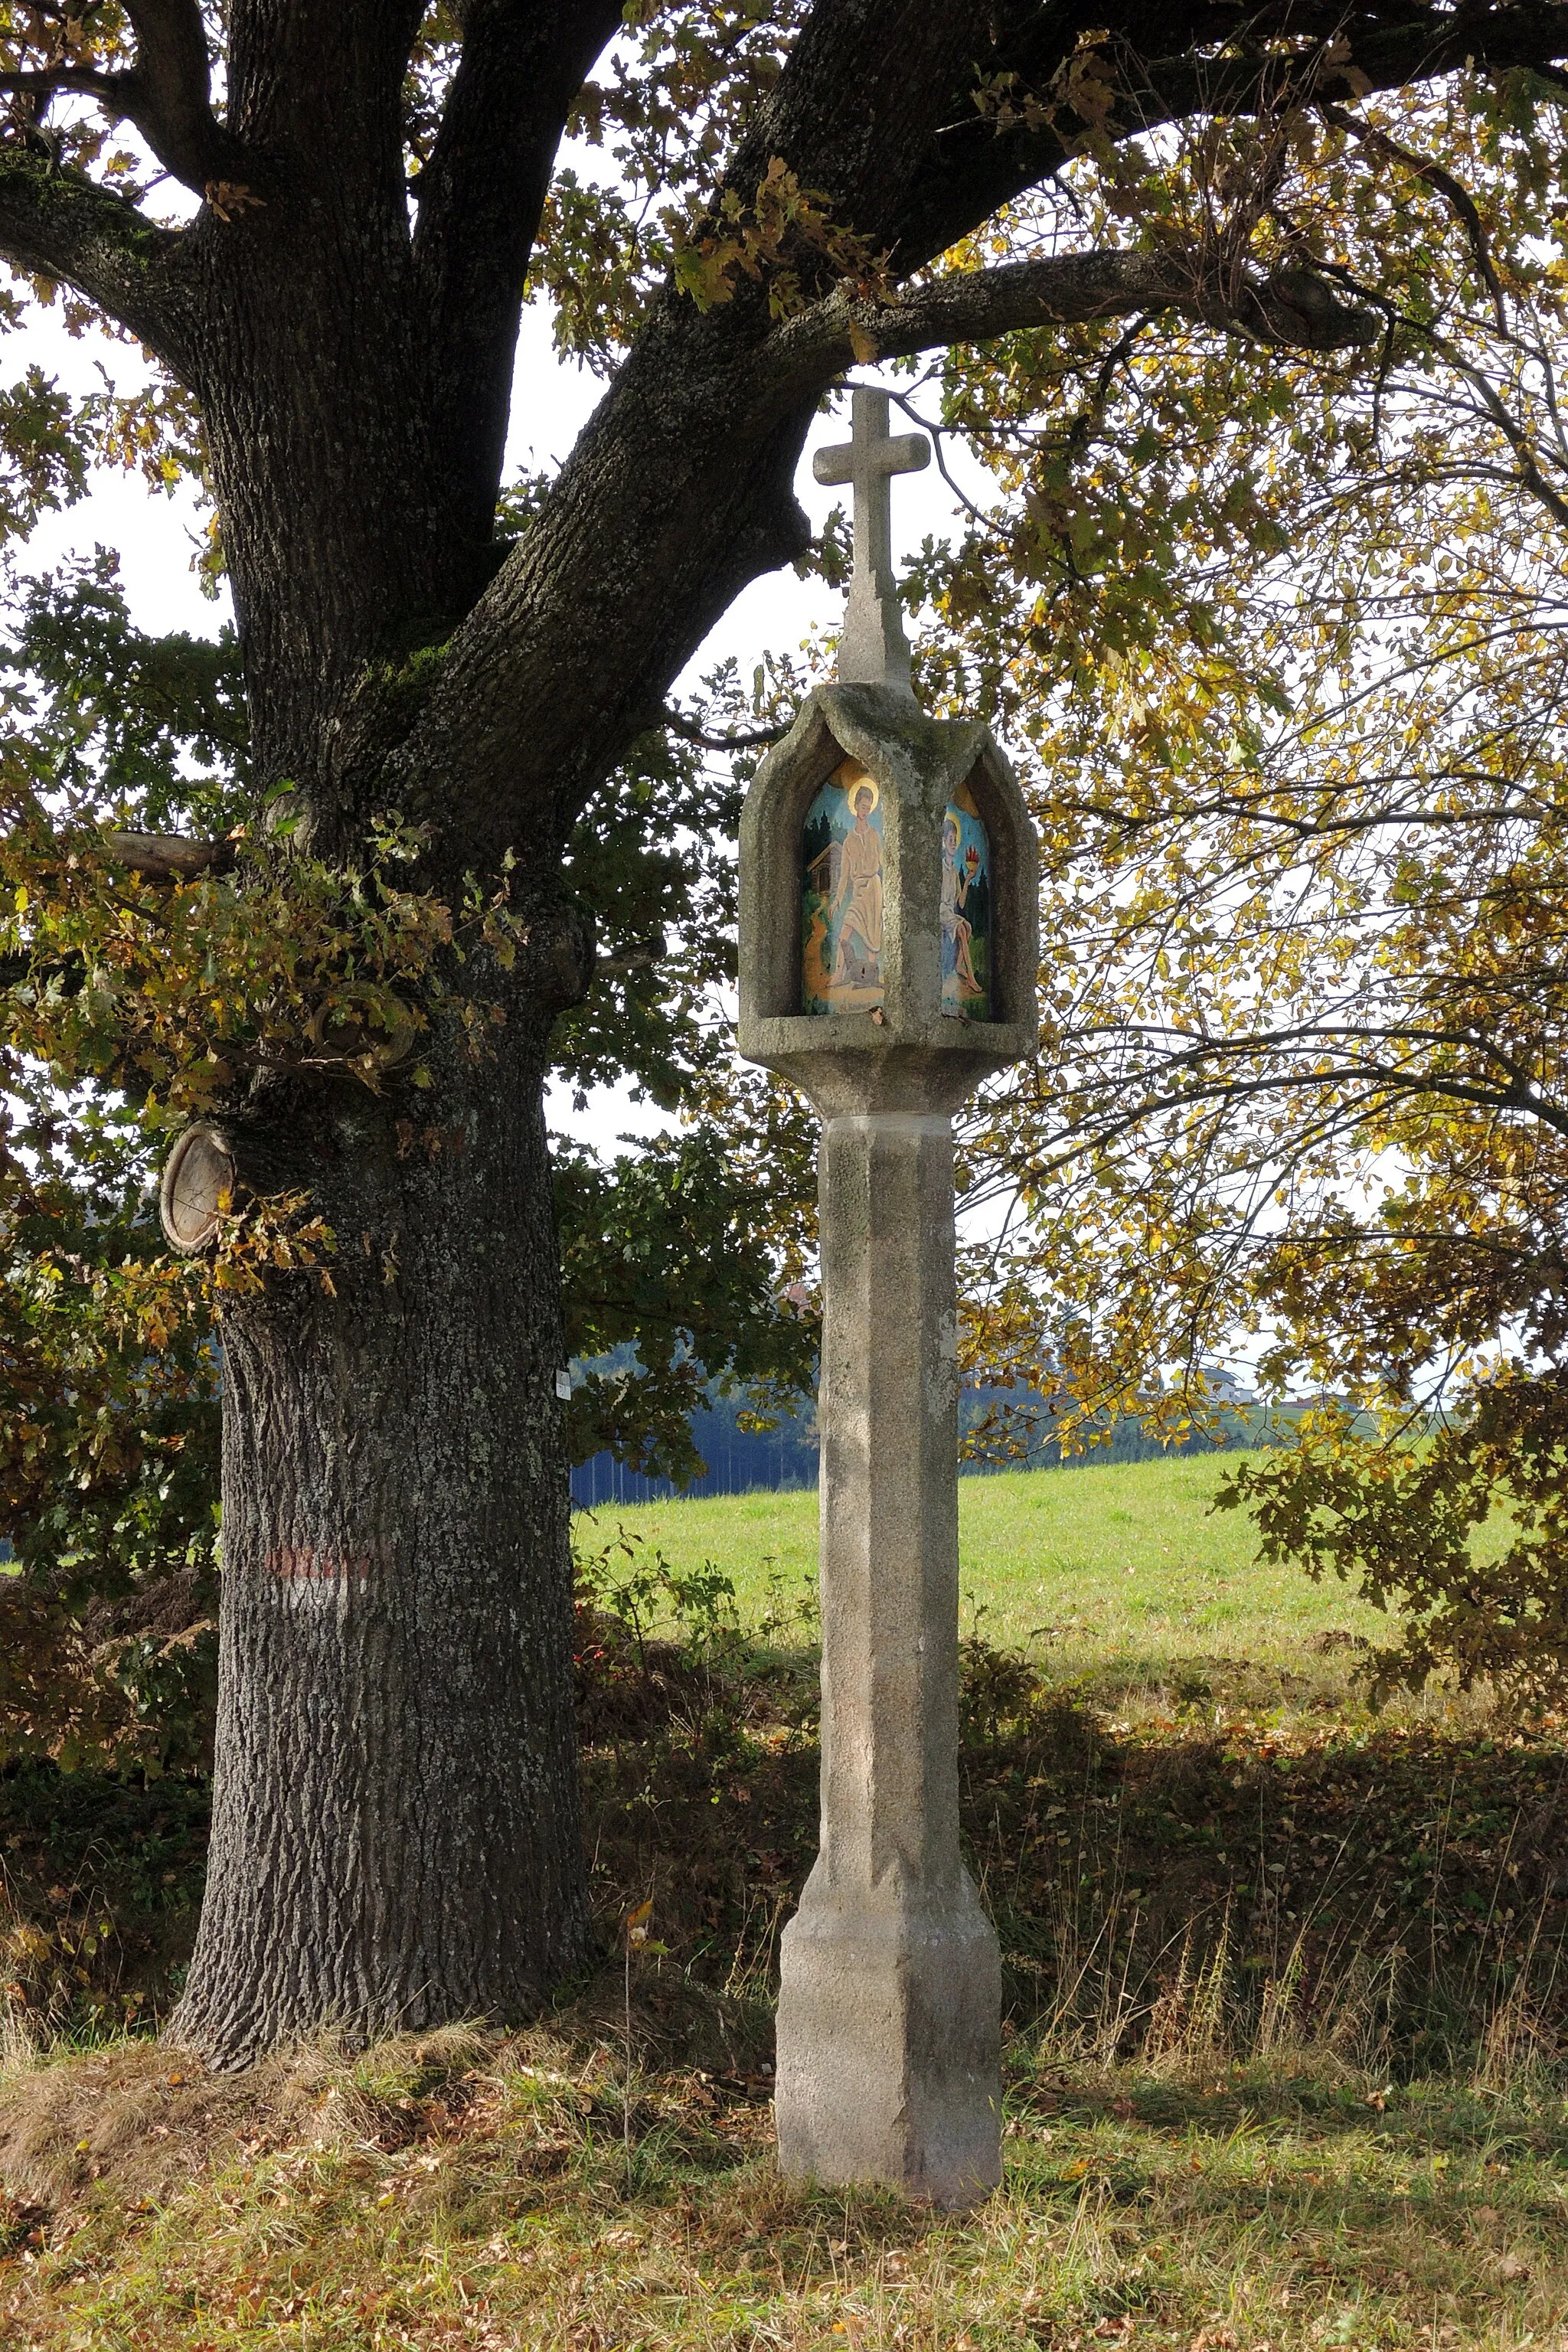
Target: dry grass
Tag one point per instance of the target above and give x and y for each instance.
(474, 2191)
(1224, 2127)
(144, 2119)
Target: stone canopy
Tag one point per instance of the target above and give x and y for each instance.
(907, 1054)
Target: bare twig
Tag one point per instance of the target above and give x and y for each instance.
(690, 733)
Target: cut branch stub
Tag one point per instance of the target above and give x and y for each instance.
(199, 1179)
(170, 858)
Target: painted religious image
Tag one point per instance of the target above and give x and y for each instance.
(965, 910)
(841, 896)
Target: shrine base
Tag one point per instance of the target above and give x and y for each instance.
(889, 2045)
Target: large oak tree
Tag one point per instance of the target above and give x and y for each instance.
(372, 183)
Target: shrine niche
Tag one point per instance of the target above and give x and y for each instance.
(887, 904)
(964, 909)
(841, 894)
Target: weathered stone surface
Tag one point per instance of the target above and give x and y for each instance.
(873, 650)
(913, 1057)
(889, 2026)
(888, 2047)
(887, 2029)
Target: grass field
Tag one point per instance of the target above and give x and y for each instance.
(1128, 1565)
(1287, 2026)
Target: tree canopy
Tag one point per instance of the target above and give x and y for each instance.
(1287, 635)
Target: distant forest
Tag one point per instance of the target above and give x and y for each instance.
(742, 1461)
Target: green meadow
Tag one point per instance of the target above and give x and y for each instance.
(1130, 1566)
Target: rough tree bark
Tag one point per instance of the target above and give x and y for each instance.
(396, 1832)
(395, 1839)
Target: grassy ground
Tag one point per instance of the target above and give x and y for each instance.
(461, 2191)
(1075, 1565)
(1287, 2040)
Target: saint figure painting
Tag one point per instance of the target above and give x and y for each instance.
(841, 894)
(965, 910)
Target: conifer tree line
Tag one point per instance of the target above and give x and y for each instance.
(1251, 319)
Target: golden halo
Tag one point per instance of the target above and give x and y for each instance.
(850, 784)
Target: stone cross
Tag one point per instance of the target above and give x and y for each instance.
(873, 650)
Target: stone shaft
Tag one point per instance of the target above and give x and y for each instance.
(890, 1994)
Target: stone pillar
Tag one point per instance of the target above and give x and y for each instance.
(889, 2005)
(890, 2001)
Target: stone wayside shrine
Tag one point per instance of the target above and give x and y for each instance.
(889, 956)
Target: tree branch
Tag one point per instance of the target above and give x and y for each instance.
(169, 90)
(1515, 434)
(167, 94)
(170, 856)
(682, 484)
(749, 740)
(1293, 308)
(975, 169)
(63, 225)
(481, 197)
(680, 489)
(43, 81)
(66, 226)
(1527, 475)
(857, 107)
(1459, 197)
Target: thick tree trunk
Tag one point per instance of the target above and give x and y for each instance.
(396, 1831)
(396, 1836)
